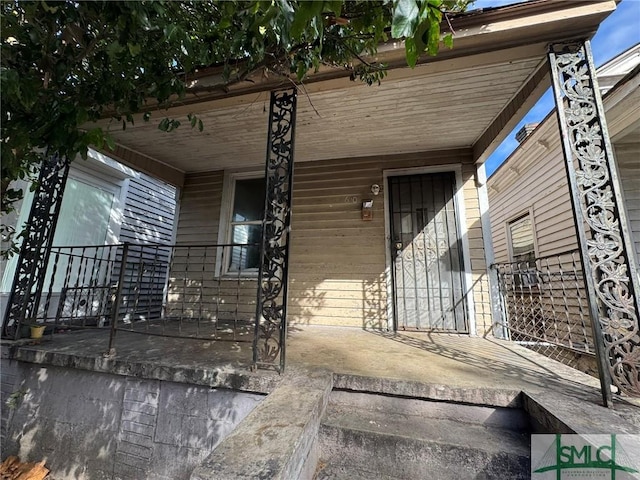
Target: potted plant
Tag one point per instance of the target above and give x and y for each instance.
(37, 331)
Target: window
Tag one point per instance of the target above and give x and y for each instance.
(521, 237)
(523, 250)
(245, 200)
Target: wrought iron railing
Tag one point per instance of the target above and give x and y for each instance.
(544, 302)
(77, 291)
(195, 291)
(208, 291)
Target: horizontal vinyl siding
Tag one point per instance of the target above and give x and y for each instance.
(628, 156)
(200, 201)
(149, 210)
(540, 187)
(194, 289)
(337, 260)
(148, 216)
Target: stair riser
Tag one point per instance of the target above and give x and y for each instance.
(404, 458)
(512, 419)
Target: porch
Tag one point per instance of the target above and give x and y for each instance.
(330, 253)
(449, 372)
(448, 362)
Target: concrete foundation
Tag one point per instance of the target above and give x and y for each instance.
(167, 408)
(90, 425)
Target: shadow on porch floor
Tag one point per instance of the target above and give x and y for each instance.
(437, 358)
(444, 359)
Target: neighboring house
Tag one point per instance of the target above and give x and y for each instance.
(104, 203)
(532, 219)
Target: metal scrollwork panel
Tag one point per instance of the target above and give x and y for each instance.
(29, 277)
(269, 341)
(611, 272)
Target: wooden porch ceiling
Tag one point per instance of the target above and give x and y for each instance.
(465, 98)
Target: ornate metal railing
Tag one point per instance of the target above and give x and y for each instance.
(270, 332)
(611, 272)
(76, 289)
(544, 302)
(24, 299)
(190, 291)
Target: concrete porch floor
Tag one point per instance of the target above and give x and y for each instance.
(442, 366)
(446, 371)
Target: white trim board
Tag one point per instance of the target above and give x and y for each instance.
(224, 232)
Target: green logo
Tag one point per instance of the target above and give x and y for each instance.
(586, 456)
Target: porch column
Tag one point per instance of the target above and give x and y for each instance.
(271, 310)
(29, 277)
(611, 274)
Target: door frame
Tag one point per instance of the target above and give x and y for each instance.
(458, 199)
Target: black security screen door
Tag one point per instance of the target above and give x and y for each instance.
(426, 253)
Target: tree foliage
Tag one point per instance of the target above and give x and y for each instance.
(67, 64)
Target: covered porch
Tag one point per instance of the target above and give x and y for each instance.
(330, 250)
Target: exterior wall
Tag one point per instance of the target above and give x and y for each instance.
(337, 268)
(627, 155)
(192, 279)
(148, 214)
(91, 425)
(149, 211)
(143, 211)
(534, 181)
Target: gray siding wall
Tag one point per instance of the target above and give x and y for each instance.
(148, 211)
(148, 216)
(534, 180)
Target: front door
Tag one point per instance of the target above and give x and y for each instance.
(426, 253)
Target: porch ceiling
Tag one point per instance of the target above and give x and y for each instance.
(423, 112)
(468, 97)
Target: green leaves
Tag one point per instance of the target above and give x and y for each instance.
(304, 17)
(418, 22)
(168, 124)
(405, 17)
(412, 51)
(194, 120)
(66, 64)
(134, 49)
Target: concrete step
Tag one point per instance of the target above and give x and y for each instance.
(376, 443)
(332, 472)
(514, 419)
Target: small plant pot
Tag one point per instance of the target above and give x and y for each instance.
(37, 331)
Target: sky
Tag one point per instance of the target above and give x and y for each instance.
(618, 32)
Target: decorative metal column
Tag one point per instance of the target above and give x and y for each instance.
(271, 310)
(611, 274)
(33, 258)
